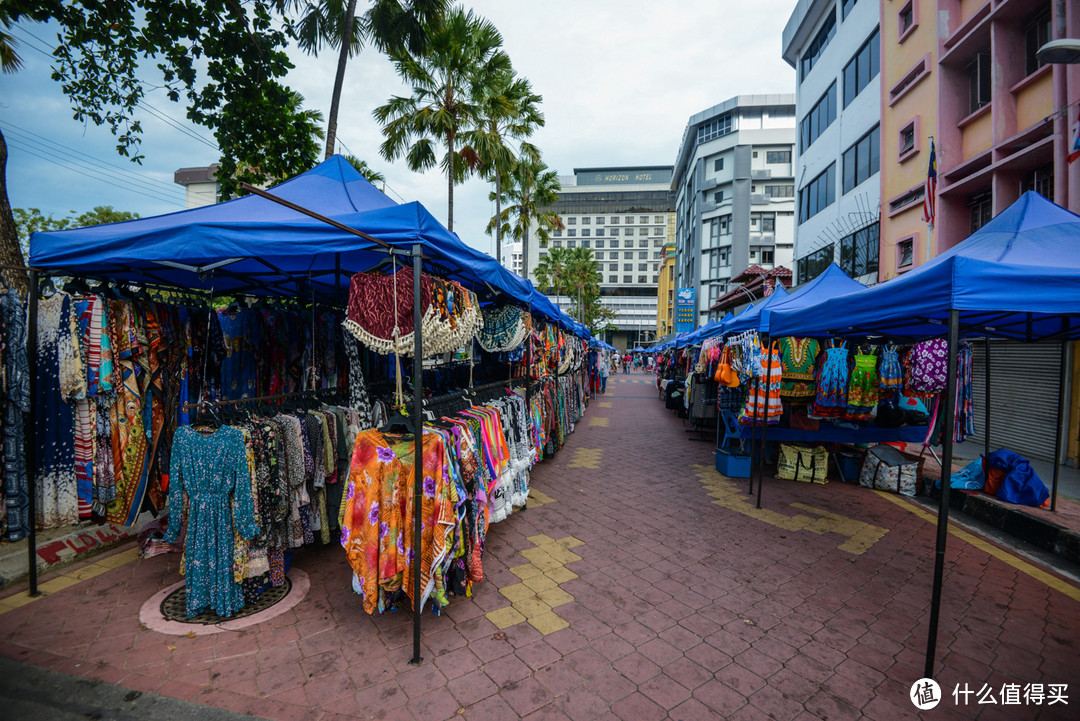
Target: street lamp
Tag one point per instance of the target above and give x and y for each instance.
(1065, 51)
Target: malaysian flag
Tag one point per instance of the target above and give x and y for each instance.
(1074, 149)
(929, 203)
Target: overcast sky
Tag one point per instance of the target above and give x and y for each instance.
(619, 80)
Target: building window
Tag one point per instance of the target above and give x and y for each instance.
(615, 243)
(818, 194)
(714, 129)
(1041, 180)
(643, 254)
(614, 220)
(724, 257)
(811, 266)
(628, 279)
(571, 221)
(585, 244)
(817, 45)
(763, 222)
(906, 142)
(718, 165)
(718, 197)
(558, 233)
(628, 266)
(600, 234)
(613, 279)
(658, 219)
(643, 279)
(905, 20)
(585, 232)
(613, 266)
(642, 266)
(642, 231)
(599, 255)
(980, 208)
(586, 221)
(556, 244)
(1036, 35)
(643, 219)
(658, 242)
(846, 7)
(818, 119)
(614, 232)
(776, 157)
(859, 251)
(863, 159)
(643, 243)
(905, 253)
(571, 233)
(767, 257)
(909, 80)
(979, 92)
(628, 255)
(861, 69)
(779, 191)
(571, 244)
(600, 220)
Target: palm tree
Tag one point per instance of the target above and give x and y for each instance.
(370, 174)
(530, 192)
(581, 272)
(551, 271)
(387, 24)
(510, 111)
(463, 59)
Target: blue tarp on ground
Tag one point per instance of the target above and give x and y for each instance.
(273, 244)
(1016, 277)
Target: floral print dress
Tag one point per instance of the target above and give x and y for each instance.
(209, 482)
(377, 529)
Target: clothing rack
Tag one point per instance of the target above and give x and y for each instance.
(313, 393)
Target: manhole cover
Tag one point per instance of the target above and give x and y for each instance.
(174, 607)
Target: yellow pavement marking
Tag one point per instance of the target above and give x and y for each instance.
(586, 458)
(605, 404)
(598, 422)
(538, 593)
(861, 535)
(1019, 564)
(539, 498)
(70, 578)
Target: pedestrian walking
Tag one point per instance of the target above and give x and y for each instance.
(605, 368)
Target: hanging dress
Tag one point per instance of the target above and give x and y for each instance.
(891, 376)
(832, 388)
(863, 389)
(209, 482)
(798, 356)
(60, 381)
(761, 401)
(16, 404)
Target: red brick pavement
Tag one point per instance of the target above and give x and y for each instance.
(682, 609)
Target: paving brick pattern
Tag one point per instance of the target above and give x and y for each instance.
(681, 608)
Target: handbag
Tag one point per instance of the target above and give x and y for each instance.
(725, 374)
(807, 465)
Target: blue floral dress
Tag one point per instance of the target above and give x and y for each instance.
(210, 480)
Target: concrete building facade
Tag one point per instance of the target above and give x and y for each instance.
(511, 256)
(665, 293)
(624, 215)
(834, 46)
(734, 194)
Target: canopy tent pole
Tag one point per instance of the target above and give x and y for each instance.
(986, 413)
(1060, 420)
(753, 432)
(946, 482)
(31, 429)
(418, 454)
(765, 426)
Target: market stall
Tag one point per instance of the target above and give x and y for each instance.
(322, 241)
(1017, 278)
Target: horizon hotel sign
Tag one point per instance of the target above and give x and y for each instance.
(622, 176)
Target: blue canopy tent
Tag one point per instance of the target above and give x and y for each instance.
(830, 283)
(254, 245)
(1017, 277)
(750, 319)
(330, 222)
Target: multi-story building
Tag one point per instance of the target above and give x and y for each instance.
(200, 185)
(665, 293)
(968, 74)
(511, 256)
(734, 194)
(834, 47)
(625, 216)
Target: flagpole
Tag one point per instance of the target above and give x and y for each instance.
(930, 201)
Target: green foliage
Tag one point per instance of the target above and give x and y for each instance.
(574, 272)
(373, 176)
(224, 60)
(32, 220)
(527, 197)
(463, 60)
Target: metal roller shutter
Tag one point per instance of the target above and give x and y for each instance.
(1024, 396)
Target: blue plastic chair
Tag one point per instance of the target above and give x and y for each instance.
(732, 429)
